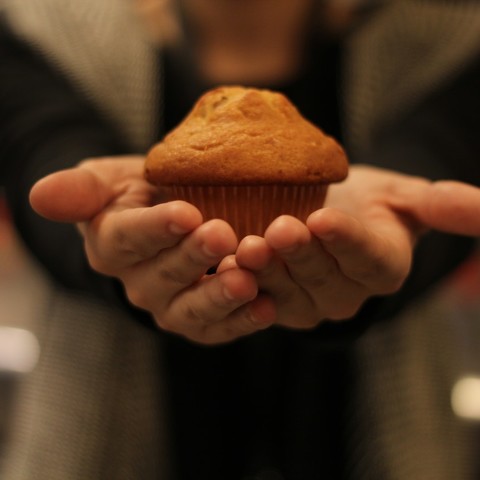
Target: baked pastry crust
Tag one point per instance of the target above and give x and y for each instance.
(244, 136)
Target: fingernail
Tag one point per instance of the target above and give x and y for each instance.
(177, 229)
(259, 322)
(227, 294)
(208, 252)
(263, 311)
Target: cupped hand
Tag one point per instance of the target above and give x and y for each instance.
(160, 251)
(360, 245)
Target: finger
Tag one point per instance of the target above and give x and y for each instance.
(378, 259)
(447, 206)
(254, 254)
(304, 280)
(69, 196)
(322, 284)
(259, 314)
(122, 238)
(227, 263)
(77, 194)
(306, 260)
(210, 311)
(293, 303)
(153, 284)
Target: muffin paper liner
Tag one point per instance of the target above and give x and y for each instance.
(250, 209)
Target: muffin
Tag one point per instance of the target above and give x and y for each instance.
(247, 156)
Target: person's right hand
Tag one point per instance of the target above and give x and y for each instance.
(160, 251)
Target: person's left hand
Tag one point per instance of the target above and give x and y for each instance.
(358, 246)
(160, 251)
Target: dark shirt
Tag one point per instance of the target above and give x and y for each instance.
(314, 90)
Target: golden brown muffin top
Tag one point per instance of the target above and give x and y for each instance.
(245, 136)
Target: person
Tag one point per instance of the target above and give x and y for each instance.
(281, 311)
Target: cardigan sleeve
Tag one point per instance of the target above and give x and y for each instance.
(438, 140)
(47, 125)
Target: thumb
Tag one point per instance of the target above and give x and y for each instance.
(73, 195)
(448, 206)
(454, 207)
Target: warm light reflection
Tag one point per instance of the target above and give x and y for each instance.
(19, 350)
(466, 398)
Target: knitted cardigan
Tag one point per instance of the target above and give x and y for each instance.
(101, 416)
